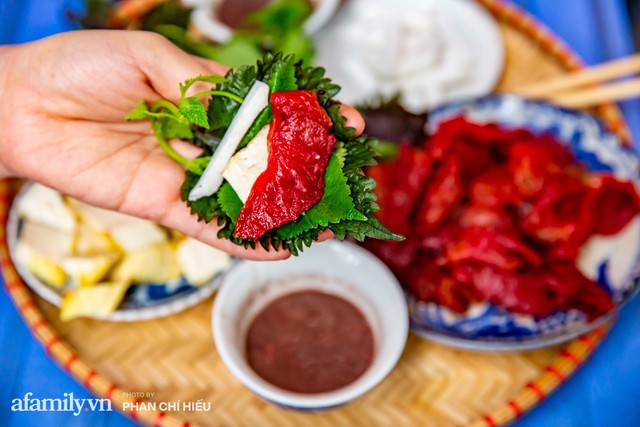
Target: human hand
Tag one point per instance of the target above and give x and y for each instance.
(64, 99)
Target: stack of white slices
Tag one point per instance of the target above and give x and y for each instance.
(92, 256)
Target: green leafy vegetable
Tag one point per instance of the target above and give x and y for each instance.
(280, 76)
(336, 204)
(348, 201)
(213, 79)
(194, 111)
(229, 201)
(277, 27)
(222, 110)
(170, 121)
(141, 112)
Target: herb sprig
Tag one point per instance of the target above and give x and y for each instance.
(180, 121)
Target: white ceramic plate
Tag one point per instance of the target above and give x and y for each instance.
(142, 302)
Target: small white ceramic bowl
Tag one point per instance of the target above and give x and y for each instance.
(351, 273)
(205, 19)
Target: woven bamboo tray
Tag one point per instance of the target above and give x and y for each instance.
(174, 359)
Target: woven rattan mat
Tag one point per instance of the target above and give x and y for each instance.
(174, 359)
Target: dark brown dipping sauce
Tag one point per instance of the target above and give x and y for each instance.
(310, 342)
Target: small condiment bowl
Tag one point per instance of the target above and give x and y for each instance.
(351, 273)
(205, 18)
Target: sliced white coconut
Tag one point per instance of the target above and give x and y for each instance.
(87, 271)
(47, 241)
(97, 301)
(100, 219)
(247, 164)
(255, 101)
(46, 206)
(90, 242)
(138, 234)
(156, 263)
(41, 266)
(200, 262)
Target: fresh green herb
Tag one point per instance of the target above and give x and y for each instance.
(280, 76)
(171, 121)
(336, 204)
(348, 200)
(229, 201)
(278, 28)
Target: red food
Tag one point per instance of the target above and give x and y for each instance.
(493, 247)
(511, 290)
(397, 255)
(614, 201)
(501, 218)
(562, 216)
(299, 149)
(431, 282)
(444, 192)
(398, 186)
(534, 160)
(494, 188)
(485, 216)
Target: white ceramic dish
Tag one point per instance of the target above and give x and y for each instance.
(142, 302)
(352, 273)
(205, 20)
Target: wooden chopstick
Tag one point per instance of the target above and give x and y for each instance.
(598, 74)
(617, 91)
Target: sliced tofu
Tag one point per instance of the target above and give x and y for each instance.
(47, 241)
(44, 206)
(256, 100)
(41, 266)
(247, 164)
(96, 301)
(137, 235)
(87, 271)
(156, 263)
(199, 261)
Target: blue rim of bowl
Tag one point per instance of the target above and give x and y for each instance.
(539, 340)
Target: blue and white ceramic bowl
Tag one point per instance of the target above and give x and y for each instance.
(614, 262)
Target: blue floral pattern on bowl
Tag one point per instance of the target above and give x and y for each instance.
(614, 263)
